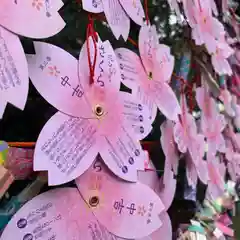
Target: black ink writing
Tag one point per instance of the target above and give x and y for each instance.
(43, 65)
(77, 91)
(119, 206)
(132, 208)
(65, 81)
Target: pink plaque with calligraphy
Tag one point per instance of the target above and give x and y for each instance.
(58, 214)
(118, 204)
(89, 122)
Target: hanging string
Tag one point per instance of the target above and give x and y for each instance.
(153, 170)
(132, 42)
(91, 34)
(146, 11)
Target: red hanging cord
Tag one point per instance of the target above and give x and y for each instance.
(132, 41)
(146, 11)
(93, 35)
(189, 90)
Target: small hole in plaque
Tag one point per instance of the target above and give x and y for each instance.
(94, 201)
(99, 111)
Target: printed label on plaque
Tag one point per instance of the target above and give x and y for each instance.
(13, 71)
(66, 148)
(136, 115)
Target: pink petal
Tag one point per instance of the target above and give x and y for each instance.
(166, 100)
(216, 183)
(136, 115)
(165, 230)
(148, 44)
(65, 148)
(134, 9)
(117, 19)
(220, 141)
(202, 171)
(147, 100)
(163, 67)
(14, 71)
(189, 11)
(122, 154)
(64, 92)
(179, 137)
(107, 71)
(23, 23)
(167, 192)
(168, 145)
(112, 193)
(132, 72)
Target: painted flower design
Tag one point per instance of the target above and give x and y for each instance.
(37, 4)
(149, 76)
(212, 122)
(118, 13)
(93, 119)
(16, 18)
